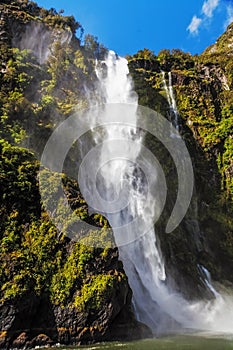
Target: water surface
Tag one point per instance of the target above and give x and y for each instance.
(199, 342)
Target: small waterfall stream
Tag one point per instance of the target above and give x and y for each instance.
(174, 115)
(154, 302)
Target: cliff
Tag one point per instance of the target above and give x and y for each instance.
(53, 289)
(203, 91)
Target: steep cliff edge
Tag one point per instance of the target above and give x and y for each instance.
(51, 288)
(202, 87)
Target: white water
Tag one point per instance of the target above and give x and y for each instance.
(155, 304)
(171, 99)
(208, 282)
(38, 39)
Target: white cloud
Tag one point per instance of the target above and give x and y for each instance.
(194, 25)
(229, 15)
(207, 10)
(209, 6)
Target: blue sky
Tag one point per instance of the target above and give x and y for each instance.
(127, 26)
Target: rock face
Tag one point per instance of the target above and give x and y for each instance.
(52, 289)
(202, 87)
(49, 325)
(34, 321)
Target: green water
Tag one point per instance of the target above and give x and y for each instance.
(169, 343)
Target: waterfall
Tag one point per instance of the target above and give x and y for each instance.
(207, 279)
(141, 269)
(116, 85)
(154, 302)
(171, 100)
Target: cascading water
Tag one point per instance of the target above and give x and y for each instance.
(140, 268)
(154, 303)
(116, 85)
(207, 279)
(171, 100)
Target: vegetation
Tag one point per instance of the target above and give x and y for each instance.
(203, 90)
(98, 292)
(41, 88)
(35, 96)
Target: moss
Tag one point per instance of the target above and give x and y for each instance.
(34, 254)
(97, 293)
(71, 274)
(203, 91)
(34, 98)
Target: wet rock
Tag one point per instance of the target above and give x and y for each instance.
(41, 340)
(21, 341)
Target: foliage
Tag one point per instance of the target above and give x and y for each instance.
(34, 254)
(98, 292)
(202, 87)
(29, 255)
(35, 97)
(70, 276)
(17, 180)
(175, 59)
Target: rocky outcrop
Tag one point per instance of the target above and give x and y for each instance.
(34, 252)
(202, 86)
(34, 321)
